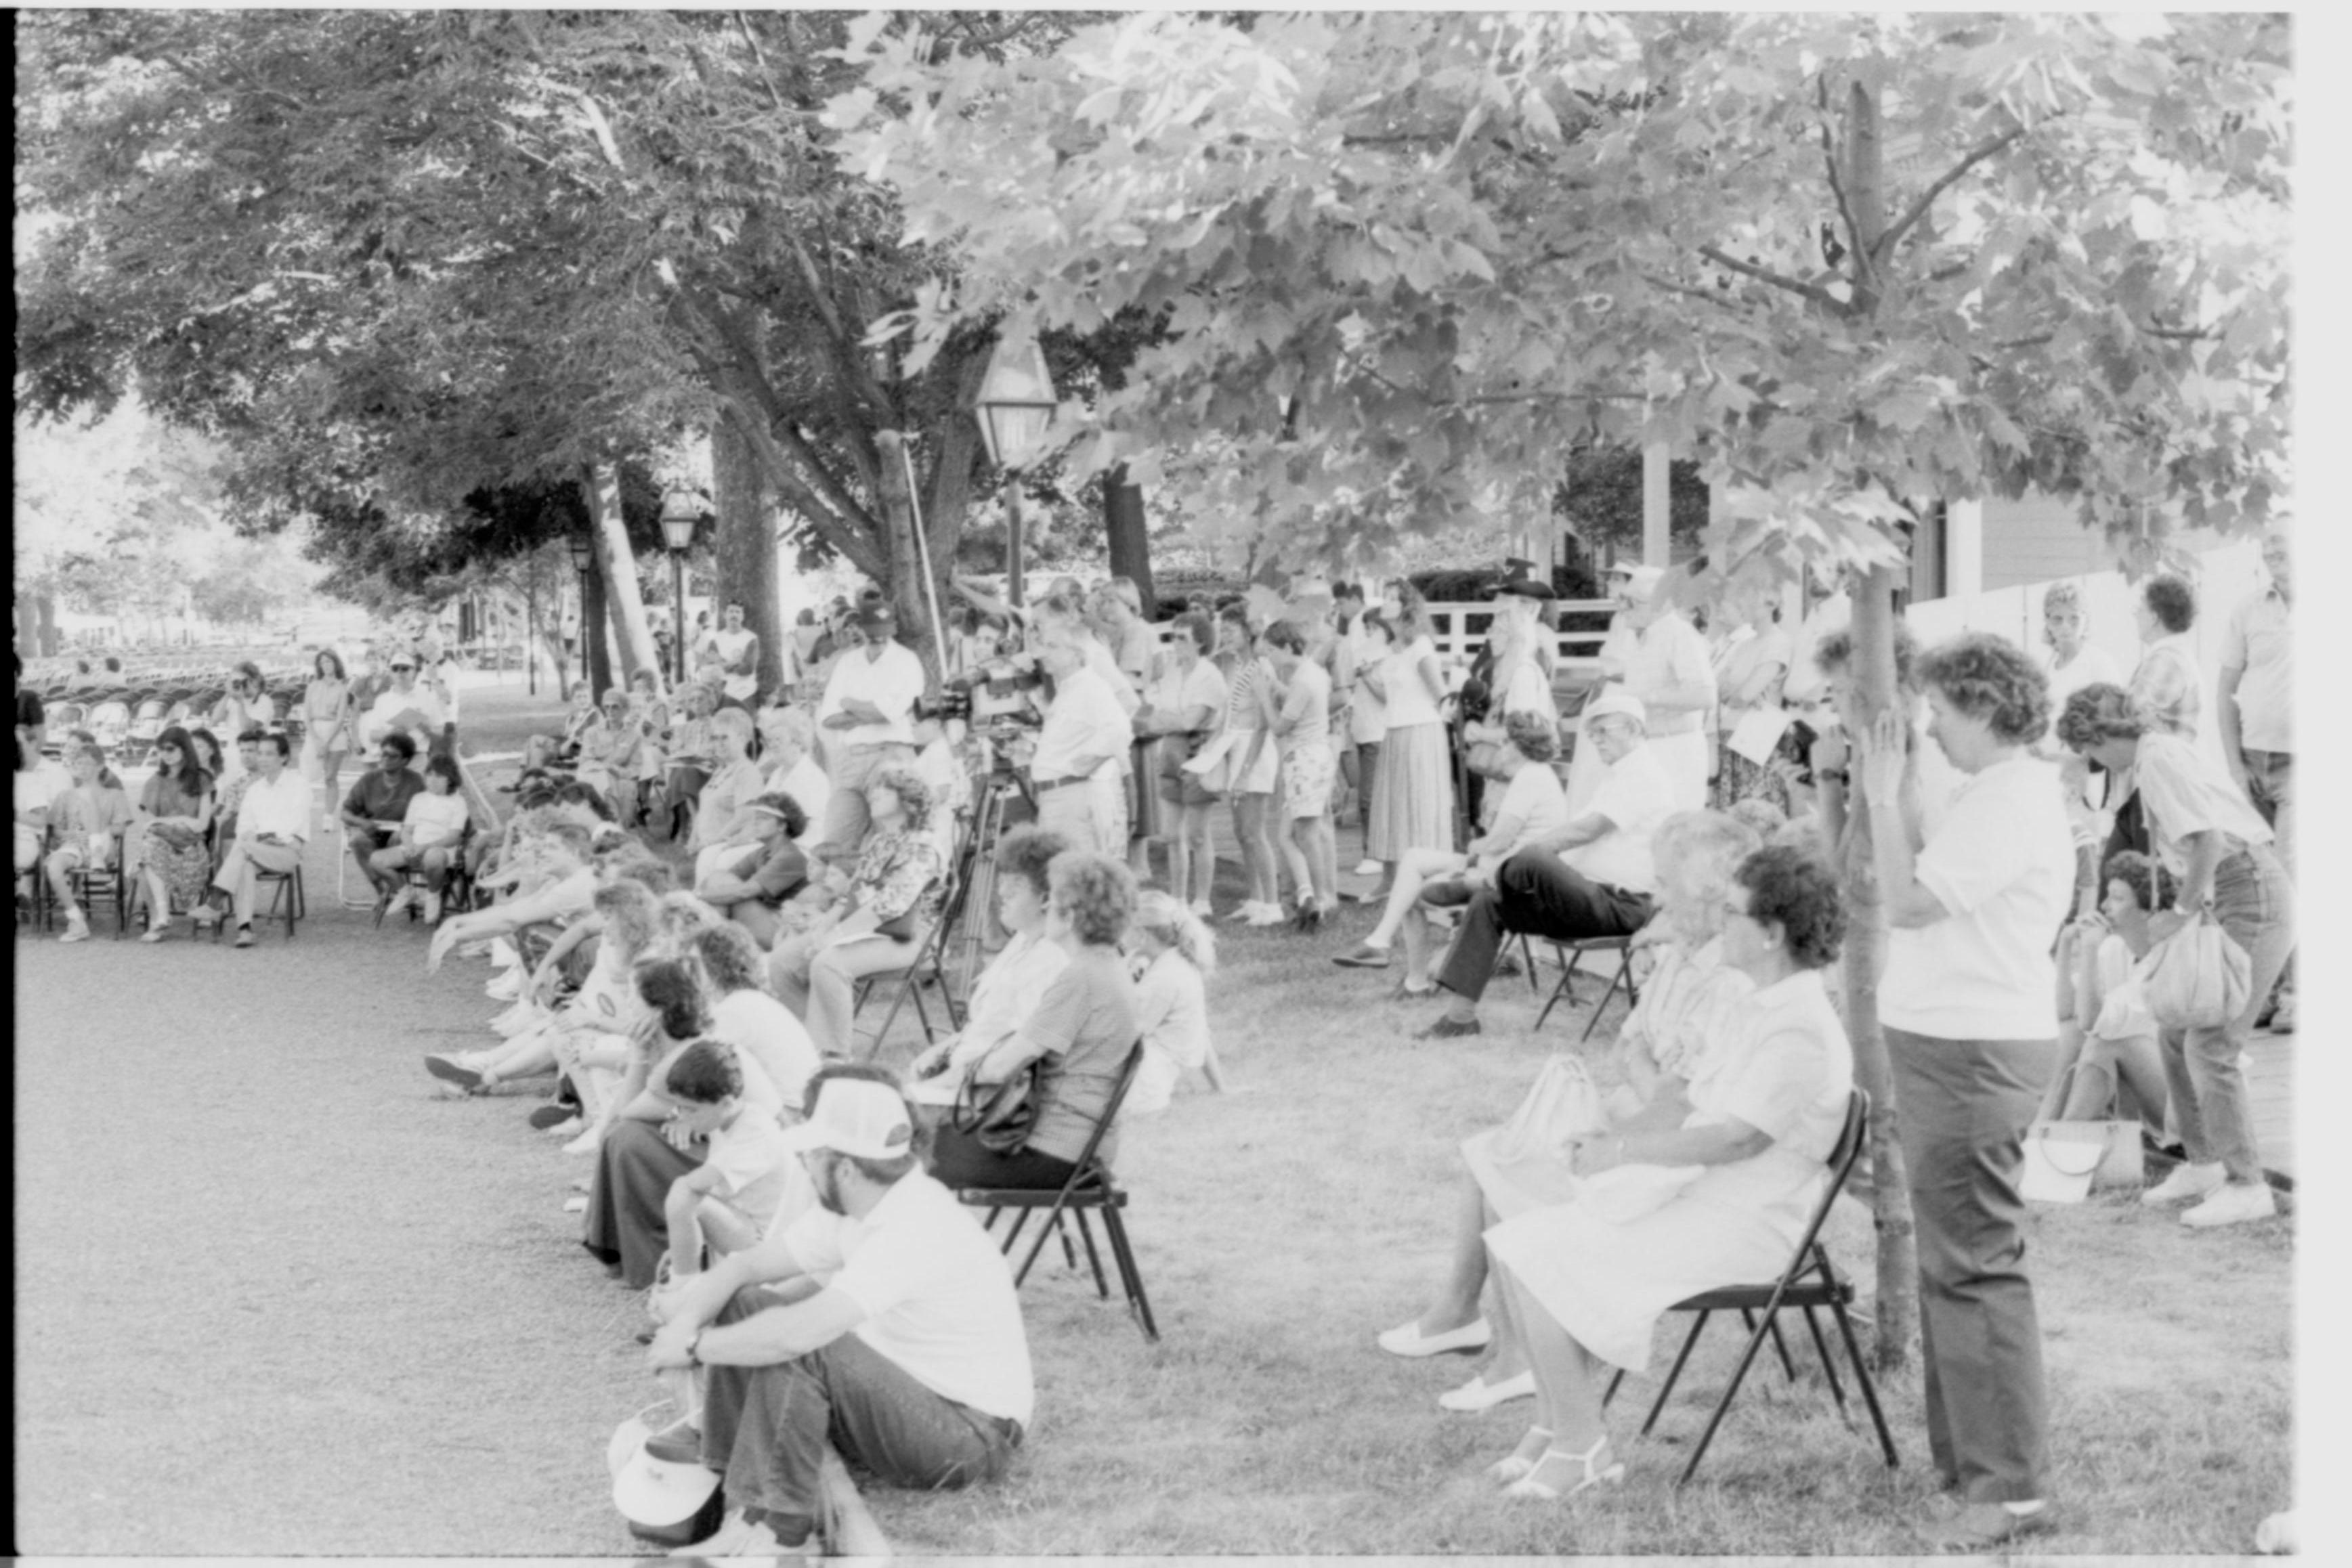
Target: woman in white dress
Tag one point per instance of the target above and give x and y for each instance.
(1412, 801)
(1584, 1282)
(1688, 998)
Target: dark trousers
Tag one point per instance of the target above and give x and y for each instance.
(1964, 1106)
(1536, 893)
(634, 1168)
(957, 1159)
(765, 1427)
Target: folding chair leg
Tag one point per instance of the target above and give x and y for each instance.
(1610, 1392)
(1131, 1277)
(1070, 1253)
(1020, 1223)
(1528, 957)
(1829, 1370)
(1566, 990)
(1788, 1367)
(1087, 1235)
(1622, 975)
(1675, 1373)
(1869, 1389)
(1723, 1405)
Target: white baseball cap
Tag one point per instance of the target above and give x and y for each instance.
(1616, 701)
(855, 1116)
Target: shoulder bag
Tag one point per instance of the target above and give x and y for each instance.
(999, 1117)
(2197, 978)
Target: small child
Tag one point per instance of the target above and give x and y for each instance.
(1173, 955)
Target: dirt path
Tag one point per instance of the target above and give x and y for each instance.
(273, 1297)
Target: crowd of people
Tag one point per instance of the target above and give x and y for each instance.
(696, 890)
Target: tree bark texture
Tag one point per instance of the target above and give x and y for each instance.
(616, 569)
(746, 545)
(591, 634)
(1131, 541)
(905, 582)
(1865, 953)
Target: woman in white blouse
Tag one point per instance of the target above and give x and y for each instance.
(1008, 988)
(1174, 956)
(2208, 834)
(1413, 802)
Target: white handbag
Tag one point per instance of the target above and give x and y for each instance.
(2197, 978)
(1560, 1107)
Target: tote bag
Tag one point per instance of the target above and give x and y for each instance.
(2197, 978)
(2065, 1160)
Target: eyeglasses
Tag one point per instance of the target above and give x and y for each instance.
(403, 669)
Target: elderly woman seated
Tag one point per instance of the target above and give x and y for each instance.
(1687, 1003)
(2106, 1036)
(1658, 1215)
(1080, 1034)
(1533, 806)
(1009, 988)
(886, 905)
(654, 1142)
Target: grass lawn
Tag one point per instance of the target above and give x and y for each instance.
(280, 1299)
(1281, 1227)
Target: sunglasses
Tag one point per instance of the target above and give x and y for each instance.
(399, 669)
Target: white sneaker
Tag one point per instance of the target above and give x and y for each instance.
(1204, 909)
(2187, 1181)
(504, 954)
(77, 930)
(432, 907)
(1264, 914)
(1480, 1394)
(2233, 1202)
(505, 988)
(1368, 867)
(565, 1129)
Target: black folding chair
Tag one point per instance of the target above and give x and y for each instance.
(285, 899)
(1090, 1186)
(110, 879)
(1569, 953)
(1809, 1281)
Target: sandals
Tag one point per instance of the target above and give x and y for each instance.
(1520, 1462)
(1527, 1487)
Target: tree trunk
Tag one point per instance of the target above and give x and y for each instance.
(1130, 543)
(616, 572)
(591, 634)
(1865, 953)
(746, 554)
(905, 586)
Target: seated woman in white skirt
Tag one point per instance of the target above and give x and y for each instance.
(1533, 807)
(1007, 990)
(1662, 1215)
(1172, 955)
(1688, 998)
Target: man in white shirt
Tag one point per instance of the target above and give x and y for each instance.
(1074, 772)
(271, 826)
(406, 706)
(893, 1332)
(1592, 879)
(732, 653)
(869, 716)
(1673, 676)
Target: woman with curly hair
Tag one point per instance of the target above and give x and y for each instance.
(2207, 833)
(175, 810)
(1584, 1282)
(887, 905)
(1080, 1032)
(1968, 1002)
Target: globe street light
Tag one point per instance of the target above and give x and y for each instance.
(679, 513)
(1016, 405)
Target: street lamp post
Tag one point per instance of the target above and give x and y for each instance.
(1017, 406)
(679, 515)
(583, 561)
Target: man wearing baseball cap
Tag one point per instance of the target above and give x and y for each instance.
(1594, 878)
(867, 715)
(883, 1319)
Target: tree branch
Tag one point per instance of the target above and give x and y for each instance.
(1712, 295)
(1813, 291)
(1902, 224)
(1868, 262)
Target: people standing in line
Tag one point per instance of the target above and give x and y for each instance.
(1119, 620)
(1968, 1002)
(1302, 728)
(2254, 700)
(1751, 665)
(1412, 801)
(330, 722)
(1187, 699)
(867, 717)
(1074, 770)
(1670, 672)
(2211, 838)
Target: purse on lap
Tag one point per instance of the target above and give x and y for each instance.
(999, 1117)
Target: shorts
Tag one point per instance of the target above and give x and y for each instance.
(1306, 776)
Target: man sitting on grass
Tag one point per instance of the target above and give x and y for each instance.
(1594, 878)
(891, 1330)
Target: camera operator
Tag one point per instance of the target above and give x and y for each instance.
(1073, 768)
(867, 717)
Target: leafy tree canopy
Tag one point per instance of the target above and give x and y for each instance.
(1848, 263)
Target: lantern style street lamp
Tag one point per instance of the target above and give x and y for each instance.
(1016, 406)
(583, 561)
(679, 513)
